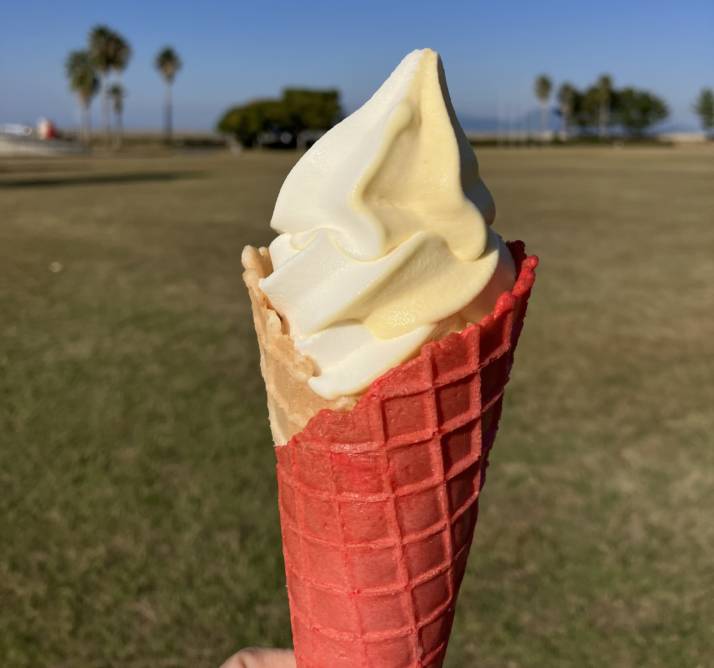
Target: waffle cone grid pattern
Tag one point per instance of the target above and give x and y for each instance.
(378, 504)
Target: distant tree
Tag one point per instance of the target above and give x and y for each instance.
(567, 94)
(168, 64)
(312, 109)
(704, 108)
(636, 110)
(297, 110)
(248, 121)
(543, 88)
(604, 93)
(116, 95)
(586, 109)
(109, 52)
(592, 109)
(84, 82)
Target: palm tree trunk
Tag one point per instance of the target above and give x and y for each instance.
(105, 108)
(118, 130)
(84, 122)
(604, 120)
(168, 114)
(81, 120)
(120, 116)
(601, 122)
(543, 120)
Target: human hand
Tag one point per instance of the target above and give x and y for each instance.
(255, 657)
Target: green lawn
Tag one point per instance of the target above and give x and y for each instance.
(138, 522)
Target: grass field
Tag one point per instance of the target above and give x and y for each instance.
(138, 522)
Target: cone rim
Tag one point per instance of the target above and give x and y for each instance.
(506, 303)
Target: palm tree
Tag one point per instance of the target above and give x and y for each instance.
(543, 87)
(101, 49)
(84, 82)
(566, 99)
(122, 54)
(604, 94)
(168, 64)
(116, 95)
(109, 51)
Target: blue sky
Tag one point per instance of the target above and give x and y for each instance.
(237, 50)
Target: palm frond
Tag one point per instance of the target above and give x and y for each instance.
(83, 79)
(168, 63)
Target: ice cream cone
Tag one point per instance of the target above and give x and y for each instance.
(291, 402)
(379, 496)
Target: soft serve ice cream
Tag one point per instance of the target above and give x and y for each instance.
(385, 238)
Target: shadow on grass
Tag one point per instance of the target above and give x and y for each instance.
(95, 179)
(16, 166)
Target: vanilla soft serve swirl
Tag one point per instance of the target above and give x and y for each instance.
(385, 240)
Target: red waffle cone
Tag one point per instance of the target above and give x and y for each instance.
(378, 503)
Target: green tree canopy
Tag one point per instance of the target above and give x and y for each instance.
(593, 108)
(601, 106)
(704, 108)
(586, 107)
(246, 122)
(636, 110)
(312, 109)
(298, 109)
